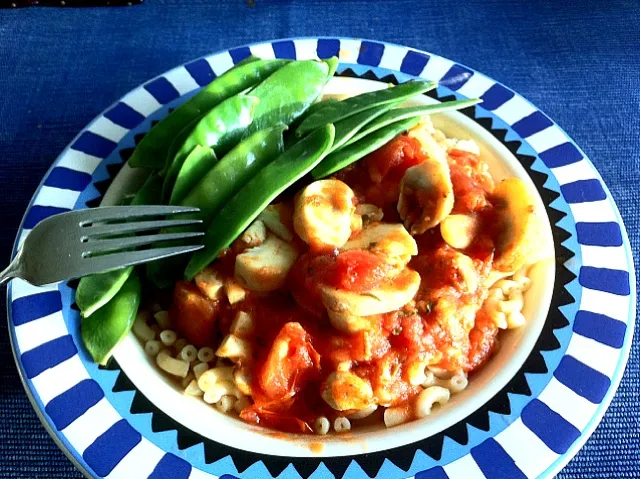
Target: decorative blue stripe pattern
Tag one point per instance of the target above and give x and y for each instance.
(433, 473)
(124, 116)
(171, 467)
(496, 96)
(612, 281)
(285, 49)
(72, 404)
(599, 234)
(532, 124)
(581, 379)
(201, 71)
(105, 453)
(370, 53)
(48, 355)
(38, 213)
(94, 145)
(414, 62)
(162, 90)
(555, 431)
(561, 155)
(67, 179)
(328, 48)
(456, 77)
(239, 54)
(30, 308)
(583, 191)
(494, 462)
(600, 328)
(110, 448)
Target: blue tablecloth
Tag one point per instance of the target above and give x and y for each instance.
(579, 62)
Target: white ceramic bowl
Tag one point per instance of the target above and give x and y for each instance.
(515, 345)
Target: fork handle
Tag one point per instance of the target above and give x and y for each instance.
(11, 271)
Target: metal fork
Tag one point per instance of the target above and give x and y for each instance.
(79, 243)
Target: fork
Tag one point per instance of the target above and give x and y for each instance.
(78, 243)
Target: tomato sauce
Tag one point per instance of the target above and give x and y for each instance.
(294, 346)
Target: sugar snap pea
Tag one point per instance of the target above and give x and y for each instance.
(262, 189)
(347, 128)
(333, 63)
(287, 93)
(349, 154)
(96, 290)
(360, 103)
(226, 177)
(195, 166)
(152, 151)
(220, 129)
(104, 329)
(405, 113)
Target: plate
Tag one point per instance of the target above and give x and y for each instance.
(527, 419)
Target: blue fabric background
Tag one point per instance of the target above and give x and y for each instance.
(578, 61)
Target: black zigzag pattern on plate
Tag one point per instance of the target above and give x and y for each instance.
(402, 456)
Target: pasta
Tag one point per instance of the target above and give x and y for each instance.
(372, 320)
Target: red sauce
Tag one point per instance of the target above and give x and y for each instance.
(287, 387)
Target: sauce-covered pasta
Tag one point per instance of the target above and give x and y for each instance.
(374, 293)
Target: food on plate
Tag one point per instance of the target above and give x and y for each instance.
(358, 265)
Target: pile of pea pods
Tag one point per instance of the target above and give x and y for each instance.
(230, 151)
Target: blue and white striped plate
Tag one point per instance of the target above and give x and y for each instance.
(530, 429)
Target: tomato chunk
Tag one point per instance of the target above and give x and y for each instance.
(392, 160)
(482, 340)
(291, 363)
(193, 314)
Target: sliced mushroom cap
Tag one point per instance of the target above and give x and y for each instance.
(265, 267)
(426, 192)
(389, 240)
(323, 214)
(350, 323)
(390, 295)
(344, 391)
(519, 242)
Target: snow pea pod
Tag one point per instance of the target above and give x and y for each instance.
(225, 178)
(96, 290)
(287, 93)
(349, 127)
(152, 150)
(352, 153)
(405, 113)
(257, 193)
(103, 330)
(360, 103)
(196, 164)
(220, 129)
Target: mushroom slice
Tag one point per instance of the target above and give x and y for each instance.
(323, 214)
(389, 296)
(426, 195)
(265, 267)
(344, 391)
(348, 323)
(519, 240)
(389, 240)
(277, 219)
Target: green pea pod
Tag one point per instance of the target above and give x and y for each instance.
(360, 103)
(196, 164)
(103, 330)
(152, 150)
(347, 128)
(287, 93)
(226, 177)
(96, 290)
(333, 63)
(249, 59)
(311, 110)
(262, 189)
(400, 114)
(347, 155)
(220, 129)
